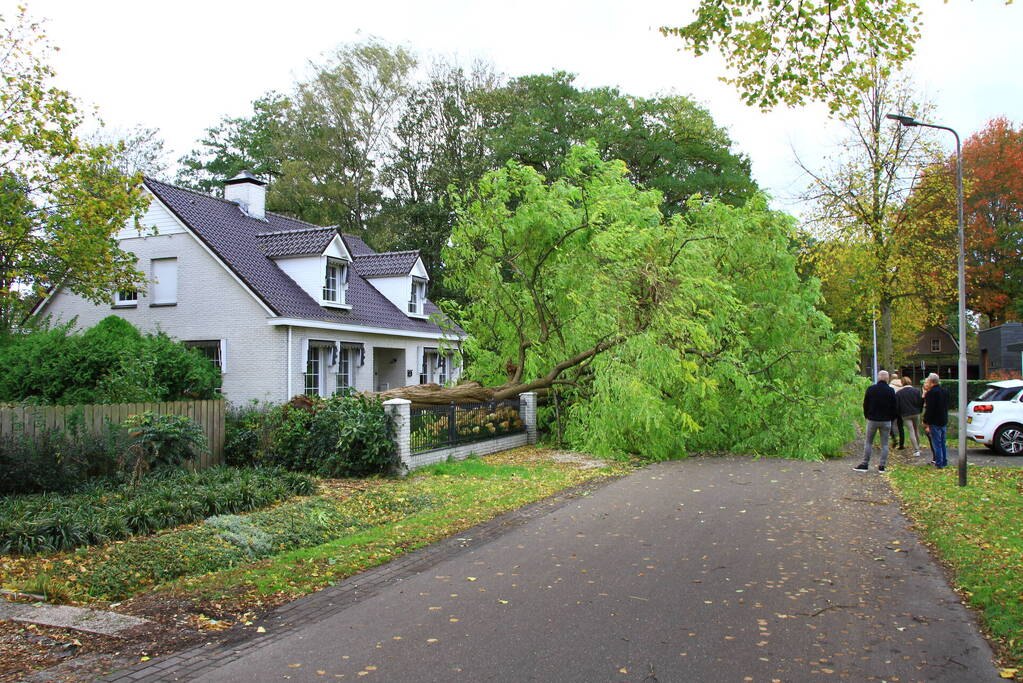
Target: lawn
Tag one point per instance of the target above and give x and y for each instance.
(304, 543)
(976, 531)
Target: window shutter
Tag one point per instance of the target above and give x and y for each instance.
(165, 280)
(223, 356)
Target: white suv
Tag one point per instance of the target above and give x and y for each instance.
(996, 418)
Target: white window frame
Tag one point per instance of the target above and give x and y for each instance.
(936, 345)
(164, 293)
(126, 298)
(314, 354)
(345, 366)
(221, 345)
(335, 271)
(417, 300)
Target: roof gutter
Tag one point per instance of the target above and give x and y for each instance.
(341, 327)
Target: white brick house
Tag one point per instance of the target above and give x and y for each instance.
(283, 306)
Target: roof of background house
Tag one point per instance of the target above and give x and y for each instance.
(246, 244)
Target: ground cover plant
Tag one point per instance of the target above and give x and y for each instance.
(109, 510)
(304, 544)
(976, 532)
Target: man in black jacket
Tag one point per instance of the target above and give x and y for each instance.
(936, 417)
(880, 409)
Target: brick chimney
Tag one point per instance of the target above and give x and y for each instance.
(249, 192)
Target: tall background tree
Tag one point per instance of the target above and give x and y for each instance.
(237, 144)
(866, 207)
(61, 199)
(372, 146)
(993, 170)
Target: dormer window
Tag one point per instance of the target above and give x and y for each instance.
(416, 302)
(335, 282)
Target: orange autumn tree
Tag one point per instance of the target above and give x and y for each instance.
(993, 170)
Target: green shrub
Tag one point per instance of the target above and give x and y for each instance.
(245, 429)
(342, 436)
(157, 441)
(52, 460)
(106, 511)
(111, 362)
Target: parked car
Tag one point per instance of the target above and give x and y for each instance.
(996, 418)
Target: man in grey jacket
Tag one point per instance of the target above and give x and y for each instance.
(879, 408)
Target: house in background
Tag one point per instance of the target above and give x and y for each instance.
(1000, 348)
(283, 307)
(936, 350)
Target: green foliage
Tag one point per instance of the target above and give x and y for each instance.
(226, 541)
(790, 52)
(688, 333)
(57, 461)
(111, 362)
(341, 436)
(245, 429)
(235, 145)
(240, 533)
(108, 511)
(61, 200)
(160, 441)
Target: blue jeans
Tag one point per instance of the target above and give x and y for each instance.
(938, 445)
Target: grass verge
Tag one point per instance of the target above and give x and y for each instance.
(976, 531)
(305, 543)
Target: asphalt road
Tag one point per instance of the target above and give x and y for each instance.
(703, 570)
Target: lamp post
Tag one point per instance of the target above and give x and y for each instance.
(873, 325)
(909, 122)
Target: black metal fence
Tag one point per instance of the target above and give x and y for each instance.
(439, 426)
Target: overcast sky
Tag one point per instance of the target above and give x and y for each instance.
(180, 66)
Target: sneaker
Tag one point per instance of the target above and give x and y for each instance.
(916, 454)
(880, 468)
(862, 467)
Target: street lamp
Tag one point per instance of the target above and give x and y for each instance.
(909, 122)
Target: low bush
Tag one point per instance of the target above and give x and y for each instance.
(342, 436)
(105, 511)
(159, 441)
(57, 461)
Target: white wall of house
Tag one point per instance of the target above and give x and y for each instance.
(398, 290)
(210, 305)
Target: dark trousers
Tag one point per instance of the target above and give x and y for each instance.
(902, 433)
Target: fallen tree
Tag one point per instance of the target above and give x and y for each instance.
(659, 334)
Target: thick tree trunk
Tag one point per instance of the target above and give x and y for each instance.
(468, 392)
(887, 345)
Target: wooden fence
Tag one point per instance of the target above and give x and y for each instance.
(93, 419)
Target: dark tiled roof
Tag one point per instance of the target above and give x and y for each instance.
(234, 237)
(389, 263)
(356, 247)
(295, 242)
